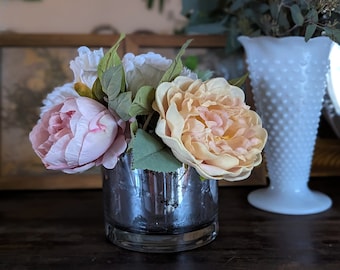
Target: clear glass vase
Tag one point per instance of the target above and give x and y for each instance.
(158, 212)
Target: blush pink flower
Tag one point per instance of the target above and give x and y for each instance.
(78, 134)
(57, 96)
(208, 126)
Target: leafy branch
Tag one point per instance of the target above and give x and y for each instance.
(278, 18)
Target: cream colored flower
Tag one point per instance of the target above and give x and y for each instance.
(208, 126)
(85, 65)
(144, 69)
(147, 69)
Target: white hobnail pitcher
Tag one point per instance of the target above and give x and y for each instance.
(288, 80)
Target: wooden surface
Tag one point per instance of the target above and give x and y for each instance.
(64, 230)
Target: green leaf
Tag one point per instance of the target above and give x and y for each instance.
(283, 21)
(121, 105)
(113, 81)
(83, 90)
(310, 30)
(110, 59)
(150, 153)
(133, 128)
(313, 16)
(297, 15)
(334, 34)
(231, 42)
(237, 4)
(142, 103)
(274, 10)
(199, 6)
(133, 131)
(176, 66)
(239, 81)
(191, 62)
(97, 91)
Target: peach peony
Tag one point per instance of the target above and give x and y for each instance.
(208, 126)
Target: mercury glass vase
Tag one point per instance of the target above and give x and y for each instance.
(158, 212)
(288, 81)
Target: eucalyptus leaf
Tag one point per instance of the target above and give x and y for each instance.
(232, 42)
(142, 103)
(312, 16)
(297, 16)
(152, 154)
(274, 10)
(310, 30)
(334, 34)
(283, 21)
(237, 4)
(277, 18)
(198, 6)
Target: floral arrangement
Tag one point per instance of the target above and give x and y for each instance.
(153, 108)
(278, 18)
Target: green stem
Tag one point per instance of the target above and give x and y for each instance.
(147, 121)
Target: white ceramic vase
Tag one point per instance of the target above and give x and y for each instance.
(288, 80)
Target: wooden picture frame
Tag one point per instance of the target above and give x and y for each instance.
(23, 72)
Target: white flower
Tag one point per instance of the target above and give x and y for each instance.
(85, 65)
(188, 73)
(58, 96)
(144, 69)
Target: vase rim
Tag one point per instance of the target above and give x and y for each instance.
(284, 43)
(285, 37)
(282, 38)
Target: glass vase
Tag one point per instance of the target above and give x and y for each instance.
(288, 81)
(148, 211)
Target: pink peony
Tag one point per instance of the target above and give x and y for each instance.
(78, 134)
(57, 96)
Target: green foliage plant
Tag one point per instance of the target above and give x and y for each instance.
(277, 18)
